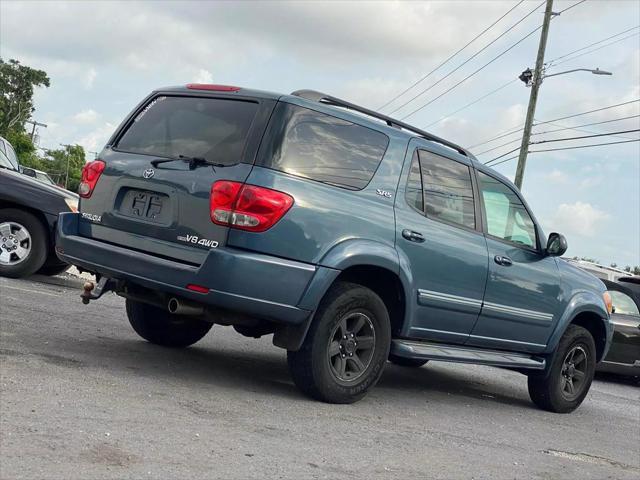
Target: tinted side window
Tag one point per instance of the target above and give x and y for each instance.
(448, 191)
(313, 145)
(213, 129)
(413, 192)
(507, 217)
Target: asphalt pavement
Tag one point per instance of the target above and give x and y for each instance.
(82, 397)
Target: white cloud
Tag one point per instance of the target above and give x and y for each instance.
(579, 218)
(203, 76)
(97, 138)
(557, 176)
(86, 116)
(89, 78)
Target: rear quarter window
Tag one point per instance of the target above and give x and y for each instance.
(320, 147)
(214, 129)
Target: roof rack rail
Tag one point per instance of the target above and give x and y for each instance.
(320, 97)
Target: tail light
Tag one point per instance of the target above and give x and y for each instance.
(247, 207)
(90, 174)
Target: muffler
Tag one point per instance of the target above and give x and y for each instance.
(182, 307)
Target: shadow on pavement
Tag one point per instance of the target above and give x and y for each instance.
(254, 371)
(616, 378)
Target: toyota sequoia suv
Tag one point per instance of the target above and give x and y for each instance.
(353, 238)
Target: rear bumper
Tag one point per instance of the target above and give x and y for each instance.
(254, 284)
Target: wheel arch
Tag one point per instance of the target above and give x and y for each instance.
(368, 263)
(586, 310)
(41, 216)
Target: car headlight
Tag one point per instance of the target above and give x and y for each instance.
(607, 300)
(72, 203)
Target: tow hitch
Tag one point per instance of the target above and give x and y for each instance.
(94, 292)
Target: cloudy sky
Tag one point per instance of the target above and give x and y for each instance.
(104, 57)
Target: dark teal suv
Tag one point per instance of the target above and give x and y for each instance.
(353, 238)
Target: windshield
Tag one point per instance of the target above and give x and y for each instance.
(44, 178)
(5, 163)
(8, 157)
(213, 129)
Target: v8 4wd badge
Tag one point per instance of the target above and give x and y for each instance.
(205, 242)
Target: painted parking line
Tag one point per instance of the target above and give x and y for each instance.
(4, 285)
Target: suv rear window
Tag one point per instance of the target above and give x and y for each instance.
(214, 129)
(320, 147)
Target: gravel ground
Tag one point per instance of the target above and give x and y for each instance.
(83, 397)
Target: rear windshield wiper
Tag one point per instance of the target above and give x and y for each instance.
(193, 161)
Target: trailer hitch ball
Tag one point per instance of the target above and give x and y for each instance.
(86, 294)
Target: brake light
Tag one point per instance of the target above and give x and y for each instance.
(90, 174)
(214, 88)
(247, 207)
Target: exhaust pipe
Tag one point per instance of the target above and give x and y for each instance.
(181, 307)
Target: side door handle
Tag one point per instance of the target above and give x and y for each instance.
(503, 260)
(413, 236)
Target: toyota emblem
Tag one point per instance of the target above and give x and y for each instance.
(148, 173)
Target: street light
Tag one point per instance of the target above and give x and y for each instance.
(534, 79)
(597, 71)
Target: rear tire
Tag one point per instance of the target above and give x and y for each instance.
(407, 362)
(346, 348)
(158, 326)
(23, 243)
(569, 378)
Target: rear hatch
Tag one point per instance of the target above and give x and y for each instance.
(153, 194)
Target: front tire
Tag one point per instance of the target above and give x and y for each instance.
(23, 243)
(346, 348)
(158, 326)
(569, 378)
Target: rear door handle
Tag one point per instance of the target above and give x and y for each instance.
(413, 236)
(502, 260)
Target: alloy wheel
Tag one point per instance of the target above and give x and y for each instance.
(573, 373)
(15, 243)
(351, 347)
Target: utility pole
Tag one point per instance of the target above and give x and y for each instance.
(35, 124)
(66, 178)
(533, 97)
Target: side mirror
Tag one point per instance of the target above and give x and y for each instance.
(556, 244)
(30, 172)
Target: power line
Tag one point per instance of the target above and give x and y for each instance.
(590, 111)
(583, 137)
(504, 133)
(584, 130)
(585, 146)
(592, 44)
(511, 131)
(474, 73)
(503, 155)
(596, 49)
(570, 7)
(450, 57)
(567, 148)
(473, 102)
(575, 127)
(466, 61)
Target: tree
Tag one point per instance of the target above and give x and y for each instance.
(57, 164)
(16, 94)
(25, 150)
